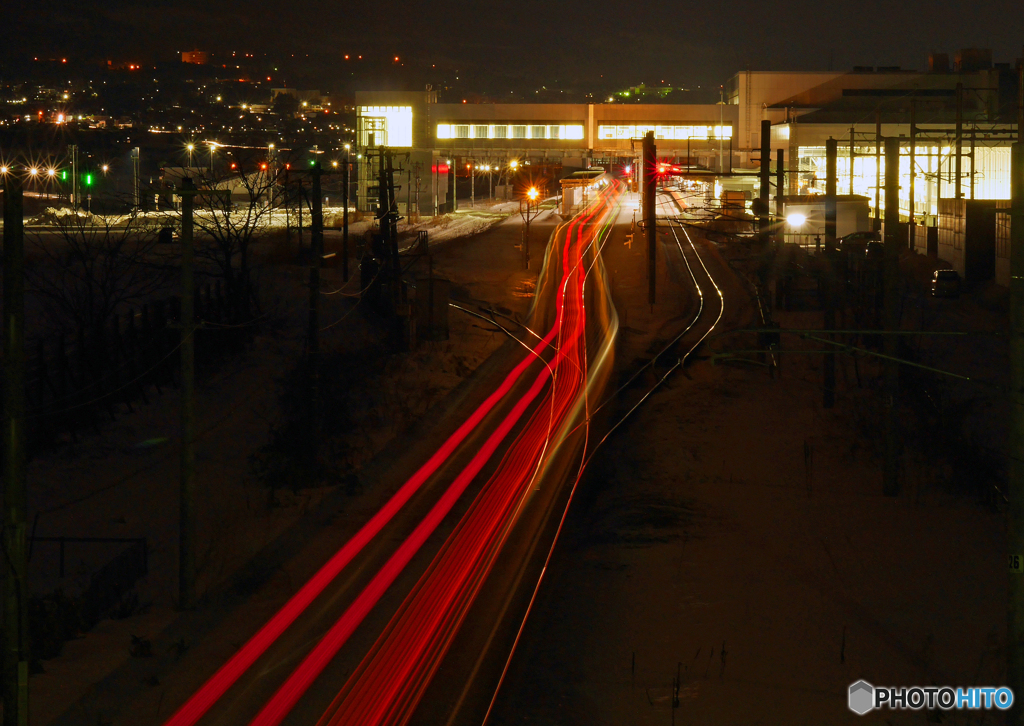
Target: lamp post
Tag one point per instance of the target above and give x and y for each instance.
(472, 183)
(191, 148)
(513, 164)
(528, 214)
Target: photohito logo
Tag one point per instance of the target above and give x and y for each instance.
(864, 697)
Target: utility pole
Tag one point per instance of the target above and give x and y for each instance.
(298, 196)
(136, 190)
(913, 161)
(392, 220)
(853, 155)
(890, 302)
(1015, 515)
(472, 184)
(16, 647)
(408, 194)
(344, 224)
(959, 139)
(721, 127)
(766, 175)
(187, 534)
(831, 166)
(73, 149)
(878, 168)
(780, 180)
(313, 341)
(974, 134)
(650, 181)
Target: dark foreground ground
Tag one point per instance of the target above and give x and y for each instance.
(734, 535)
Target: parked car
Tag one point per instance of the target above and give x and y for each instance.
(857, 241)
(874, 250)
(167, 235)
(946, 283)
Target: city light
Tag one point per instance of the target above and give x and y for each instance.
(514, 164)
(105, 168)
(51, 172)
(33, 171)
(796, 219)
(3, 169)
(532, 194)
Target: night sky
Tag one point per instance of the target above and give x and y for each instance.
(691, 44)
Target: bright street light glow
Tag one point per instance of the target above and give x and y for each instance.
(3, 169)
(514, 163)
(33, 171)
(796, 219)
(348, 146)
(191, 147)
(104, 168)
(532, 194)
(51, 172)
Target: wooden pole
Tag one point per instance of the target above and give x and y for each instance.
(1015, 515)
(890, 302)
(187, 525)
(16, 647)
(313, 351)
(831, 207)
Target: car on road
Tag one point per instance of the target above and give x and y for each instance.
(946, 283)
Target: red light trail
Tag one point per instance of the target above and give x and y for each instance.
(526, 453)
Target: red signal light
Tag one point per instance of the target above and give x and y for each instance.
(263, 166)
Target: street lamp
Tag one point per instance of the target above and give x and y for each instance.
(191, 148)
(528, 213)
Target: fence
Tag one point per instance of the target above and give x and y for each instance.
(73, 381)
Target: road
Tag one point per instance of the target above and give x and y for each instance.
(447, 562)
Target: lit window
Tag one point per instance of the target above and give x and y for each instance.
(444, 131)
(501, 132)
(573, 132)
(461, 131)
(390, 125)
(518, 132)
(554, 132)
(537, 132)
(479, 132)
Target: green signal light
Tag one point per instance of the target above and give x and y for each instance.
(88, 180)
(64, 175)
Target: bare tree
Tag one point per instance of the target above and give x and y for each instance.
(228, 226)
(86, 267)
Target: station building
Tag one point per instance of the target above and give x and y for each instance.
(956, 121)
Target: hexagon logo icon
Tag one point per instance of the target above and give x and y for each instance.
(862, 697)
